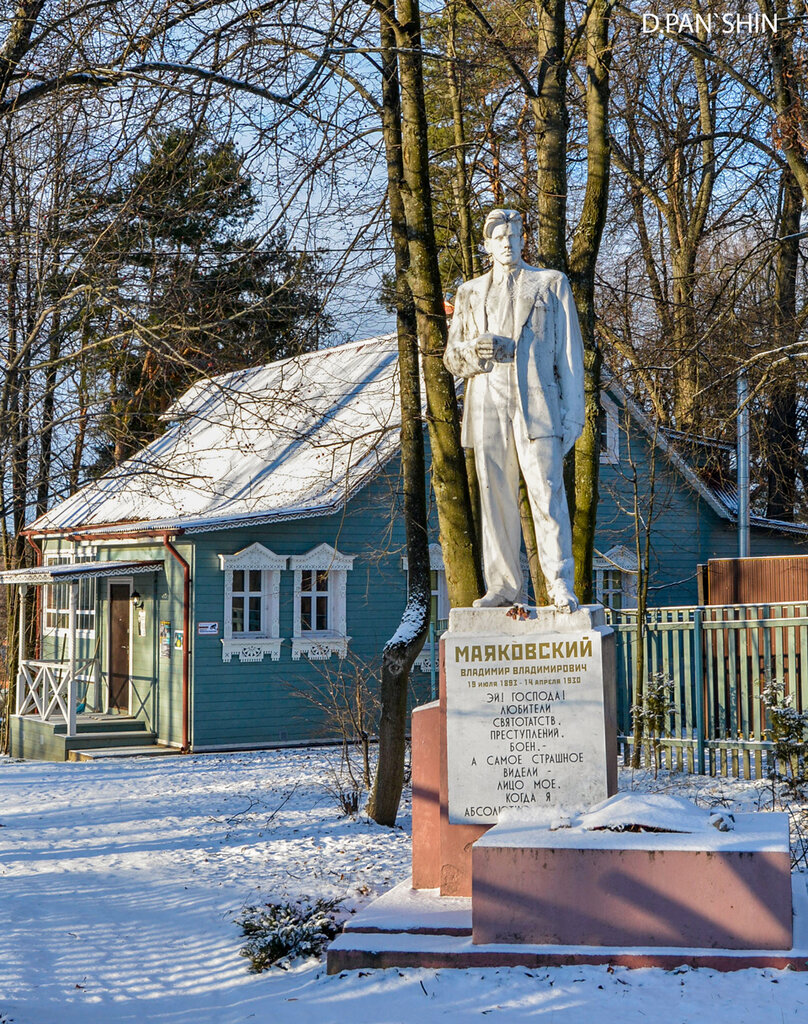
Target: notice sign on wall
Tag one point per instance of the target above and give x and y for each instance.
(525, 724)
(165, 639)
(207, 629)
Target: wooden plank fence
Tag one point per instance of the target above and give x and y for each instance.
(717, 659)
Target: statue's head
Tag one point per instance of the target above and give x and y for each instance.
(502, 237)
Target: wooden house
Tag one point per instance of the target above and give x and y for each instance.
(206, 593)
(686, 508)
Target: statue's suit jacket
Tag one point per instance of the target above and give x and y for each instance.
(548, 358)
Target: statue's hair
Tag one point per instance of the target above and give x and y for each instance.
(497, 217)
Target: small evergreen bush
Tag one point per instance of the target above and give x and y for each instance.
(653, 715)
(788, 729)
(276, 931)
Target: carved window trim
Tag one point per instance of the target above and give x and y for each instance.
(319, 645)
(253, 646)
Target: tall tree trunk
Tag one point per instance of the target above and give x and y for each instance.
(458, 538)
(402, 649)
(685, 338)
(582, 262)
(48, 409)
(469, 261)
(782, 440)
(551, 119)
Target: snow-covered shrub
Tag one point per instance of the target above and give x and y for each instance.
(787, 731)
(275, 931)
(653, 714)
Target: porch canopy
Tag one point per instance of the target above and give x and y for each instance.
(48, 688)
(76, 571)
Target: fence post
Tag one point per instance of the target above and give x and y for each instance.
(699, 684)
(433, 688)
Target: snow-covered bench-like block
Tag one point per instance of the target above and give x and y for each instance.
(595, 884)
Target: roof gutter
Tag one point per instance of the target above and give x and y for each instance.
(186, 636)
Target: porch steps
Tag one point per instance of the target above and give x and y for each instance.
(101, 753)
(48, 741)
(92, 724)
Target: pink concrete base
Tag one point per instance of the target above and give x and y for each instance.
(420, 928)
(441, 852)
(632, 898)
(426, 796)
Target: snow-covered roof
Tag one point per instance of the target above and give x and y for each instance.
(288, 440)
(291, 439)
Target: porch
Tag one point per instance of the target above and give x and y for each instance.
(61, 704)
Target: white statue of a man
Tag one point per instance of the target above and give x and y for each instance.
(515, 337)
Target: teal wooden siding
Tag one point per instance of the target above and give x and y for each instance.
(236, 702)
(685, 529)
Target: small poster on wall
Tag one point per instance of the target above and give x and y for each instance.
(141, 622)
(165, 639)
(177, 639)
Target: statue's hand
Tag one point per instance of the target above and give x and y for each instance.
(484, 346)
(504, 348)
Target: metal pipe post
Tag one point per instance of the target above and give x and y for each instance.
(23, 591)
(71, 694)
(743, 466)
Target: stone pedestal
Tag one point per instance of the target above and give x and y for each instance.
(525, 881)
(515, 656)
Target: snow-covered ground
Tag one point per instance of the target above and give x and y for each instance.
(122, 882)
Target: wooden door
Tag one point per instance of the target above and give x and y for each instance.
(119, 611)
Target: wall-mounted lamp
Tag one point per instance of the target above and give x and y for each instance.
(136, 599)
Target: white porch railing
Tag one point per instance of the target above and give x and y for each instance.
(49, 689)
(50, 686)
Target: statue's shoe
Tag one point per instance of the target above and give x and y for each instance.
(561, 595)
(493, 599)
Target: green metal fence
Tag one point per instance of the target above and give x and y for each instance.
(718, 660)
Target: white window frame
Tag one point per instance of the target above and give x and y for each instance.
(610, 455)
(424, 659)
(253, 646)
(319, 645)
(70, 558)
(618, 559)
